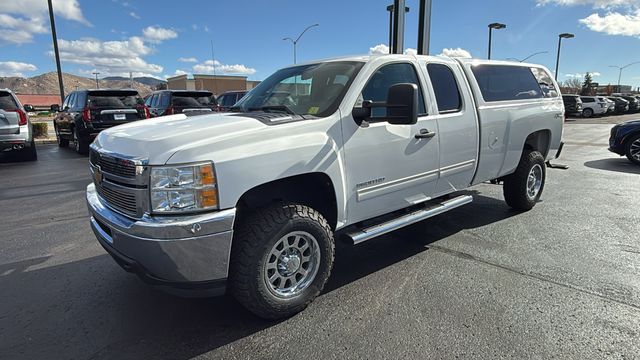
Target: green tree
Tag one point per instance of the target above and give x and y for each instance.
(587, 84)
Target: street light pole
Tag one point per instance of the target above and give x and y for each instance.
(56, 52)
(491, 27)
(96, 74)
(560, 37)
(620, 68)
(295, 42)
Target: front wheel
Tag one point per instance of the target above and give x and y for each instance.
(587, 113)
(281, 259)
(523, 188)
(633, 149)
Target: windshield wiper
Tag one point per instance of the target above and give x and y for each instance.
(274, 108)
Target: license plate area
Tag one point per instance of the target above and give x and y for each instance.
(119, 116)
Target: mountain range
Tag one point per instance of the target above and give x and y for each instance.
(48, 83)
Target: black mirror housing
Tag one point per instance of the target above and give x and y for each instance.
(402, 104)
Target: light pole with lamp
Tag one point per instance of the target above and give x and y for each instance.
(295, 42)
(491, 27)
(560, 37)
(96, 73)
(620, 72)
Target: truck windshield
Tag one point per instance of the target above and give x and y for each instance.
(314, 89)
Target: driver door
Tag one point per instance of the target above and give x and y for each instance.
(387, 166)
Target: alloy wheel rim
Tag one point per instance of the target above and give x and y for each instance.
(292, 264)
(634, 149)
(534, 181)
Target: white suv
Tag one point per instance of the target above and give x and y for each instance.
(593, 105)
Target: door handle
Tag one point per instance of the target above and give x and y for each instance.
(425, 134)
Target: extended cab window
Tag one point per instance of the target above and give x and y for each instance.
(504, 82)
(545, 82)
(445, 87)
(378, 86)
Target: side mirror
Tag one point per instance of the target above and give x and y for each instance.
(28, 108)
(55, 108)
(402, 104)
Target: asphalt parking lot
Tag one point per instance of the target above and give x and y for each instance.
(483, 281)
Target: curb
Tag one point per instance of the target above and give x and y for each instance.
(46, 141)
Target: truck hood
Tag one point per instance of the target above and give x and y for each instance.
(159, 138)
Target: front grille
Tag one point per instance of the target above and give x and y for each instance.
(119, 200)
(119, 167)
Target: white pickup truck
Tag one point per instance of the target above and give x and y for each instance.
(250, 201)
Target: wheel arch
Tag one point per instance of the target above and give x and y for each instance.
(314, 189)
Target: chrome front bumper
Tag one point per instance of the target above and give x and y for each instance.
(180, 252)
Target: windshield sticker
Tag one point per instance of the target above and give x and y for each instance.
(313, 110)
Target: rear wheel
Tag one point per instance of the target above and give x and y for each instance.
(523, 188)
(80, 143)
(281, 259)
(633, 149)
(587, 113)
(61, 142)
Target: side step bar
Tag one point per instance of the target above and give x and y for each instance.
(365, 234)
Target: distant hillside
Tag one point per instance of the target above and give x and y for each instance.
(147, 80)
(48, 84)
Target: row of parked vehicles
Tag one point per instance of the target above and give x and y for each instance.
(589, 106)
(85, 113)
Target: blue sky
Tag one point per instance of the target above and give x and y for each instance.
(164, 38)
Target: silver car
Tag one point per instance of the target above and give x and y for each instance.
(16, 131)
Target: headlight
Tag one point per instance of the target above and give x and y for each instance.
(183, 188)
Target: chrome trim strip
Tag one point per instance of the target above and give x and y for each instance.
(106, 237)
(136, 159)
(365, 234)
(395, 185)
(456, 168)
(119, 111)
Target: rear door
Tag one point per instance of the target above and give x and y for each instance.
(9, 117)
(457, 126)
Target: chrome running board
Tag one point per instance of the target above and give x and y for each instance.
(368, 233)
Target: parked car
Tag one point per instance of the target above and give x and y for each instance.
(253, 201)
(572, 104)
(610, 104)
(592, 105)
(622, 105)
(85, 113)
(634, 103)
(16, 131)
(168, 102)
(227, 99)
(625, 140)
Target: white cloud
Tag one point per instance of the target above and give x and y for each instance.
(158, 34)
(457, 52)
(178, 72)
(411, 51)
(599, 4)
(187, 59)
(134, 15)
(20, 20)
(206, 28)
(379, 49)
(209, 66)
(194, 26)
(15, 68)
(581, 75)
(111, 57)
(67, 9)
(614, 23)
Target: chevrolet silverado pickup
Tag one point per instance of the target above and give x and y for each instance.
(250, 201)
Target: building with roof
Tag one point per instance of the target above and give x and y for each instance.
(39, 101)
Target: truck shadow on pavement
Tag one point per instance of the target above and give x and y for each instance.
(614, 164)
(92, 309)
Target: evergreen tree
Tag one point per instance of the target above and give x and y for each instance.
(587, 84)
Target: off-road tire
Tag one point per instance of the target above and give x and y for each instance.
(627, 148)
(62, 142)
(253, 239)
(80, 143)
(515, 185)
